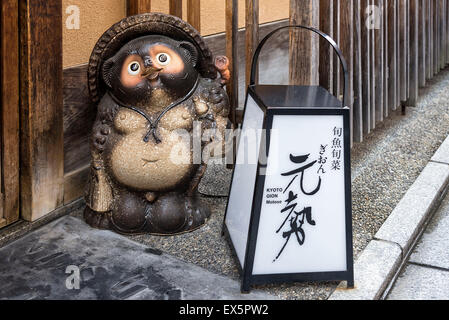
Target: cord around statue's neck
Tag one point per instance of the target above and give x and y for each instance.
(153, 126)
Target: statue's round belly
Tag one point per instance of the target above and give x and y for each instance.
(151, 166)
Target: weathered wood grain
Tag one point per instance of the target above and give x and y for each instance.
(134, 7)
(75, 184)
(429, 42)
(386, 75)
(422, 35)
(251, 34)
(194, 13)
(392, 53)
(79, 117)
(336, 86)
(175, 8)
(357, 79)
(347, 48)
(379, 63)
(326, 64)
(373, 68)
(366, 74)
(304, 45)
(413, 65)
(403, 49)
(232, 53)
(9, 101)
(42, 146)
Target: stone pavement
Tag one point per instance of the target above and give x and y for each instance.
(426, 274)
(67, 259)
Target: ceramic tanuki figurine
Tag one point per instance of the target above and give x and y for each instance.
(153, 78)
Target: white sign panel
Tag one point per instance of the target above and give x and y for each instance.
(238, 212)
(302, 218)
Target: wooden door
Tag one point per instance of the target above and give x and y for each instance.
(9, 112)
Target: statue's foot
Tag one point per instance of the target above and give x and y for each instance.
(95, 219)
(174, 214)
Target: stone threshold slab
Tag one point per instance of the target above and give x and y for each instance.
(379, 262)
(45, 264)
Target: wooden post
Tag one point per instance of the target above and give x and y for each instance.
(402, 49)
(347, 48)
(413, 66)
(336, 62)
(429, 42)
(175, 8)
(138, 6)
(366, 74)
(422, 43)
(447, 32)
(386, 75)
(378, 43)
(392, 53)
(194, 13)
(304, 44)
(232, 54)
(436, 44)
(373, 68)
(42, 149)
(9, 121)
(326, 64)
(251, 33)
(358, 95)
(443, 33)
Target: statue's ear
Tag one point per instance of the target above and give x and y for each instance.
(107, 72)
(192, 52)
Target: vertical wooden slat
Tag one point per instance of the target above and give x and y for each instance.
(232, 54)
(413, 65)
(429, 42)
(42, 148)
(447, 32)
(407, 47)
(336, 63)
(398, 55)
(422, 43)
(386, 75)
(392, 53)
(442, 34)
(175, 8)
(378, 43)
(326, 64)
(358, 96)
(365, 64)
(9, 99)
(304, 58)
(373, 73)
(138, 6)
(194, 13)
(251, 33)
(366, 78)
(436, 65)
(402, 49)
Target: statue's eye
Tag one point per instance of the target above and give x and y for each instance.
(134, 68)
(163, 59)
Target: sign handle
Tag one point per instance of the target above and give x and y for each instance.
(325, 36)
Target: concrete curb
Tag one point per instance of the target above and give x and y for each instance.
(382, 258)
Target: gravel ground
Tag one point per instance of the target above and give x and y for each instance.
(384, 166)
